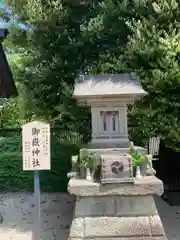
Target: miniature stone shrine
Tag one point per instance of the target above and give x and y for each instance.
(108, 96)
(119, 206)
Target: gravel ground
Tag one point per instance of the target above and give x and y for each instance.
(17, 211)
(16, 222)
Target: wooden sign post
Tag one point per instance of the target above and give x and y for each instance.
(36, 157)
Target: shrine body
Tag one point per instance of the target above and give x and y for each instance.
(109, 96)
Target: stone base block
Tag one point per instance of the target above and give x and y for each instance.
(117, 227)
(116, 217)
(123, 238)
(115, 206)
(149, 185)
(116, 211)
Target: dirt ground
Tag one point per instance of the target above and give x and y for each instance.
(17, 212)
(16, 218)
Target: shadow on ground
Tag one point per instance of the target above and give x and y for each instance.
(170, 216)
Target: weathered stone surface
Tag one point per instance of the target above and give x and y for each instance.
(119, 206)
(116, 211)
(108, 84)
(119, 151)
(149, 185)
(77, 228)
(94, 206)
(115, 226)
(156, 226)
(135, 205)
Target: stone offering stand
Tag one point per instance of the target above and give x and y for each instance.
(116, 211)
(114, 208)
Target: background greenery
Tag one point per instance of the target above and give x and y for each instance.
(52, 42)
(12, 178)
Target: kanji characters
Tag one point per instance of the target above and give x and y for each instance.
(35, 145)
(35, 142)
(35, 131)
(36, 162)
(35, 152)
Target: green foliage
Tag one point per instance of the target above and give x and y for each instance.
(56, 179)
(16, 111)
(52, 50)
(151, 49)
(11, 175)
(138, 158)
(12, 178)
(88, 158)
(12, 113)
(62, 39)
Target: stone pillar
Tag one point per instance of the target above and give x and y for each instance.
(116, 211)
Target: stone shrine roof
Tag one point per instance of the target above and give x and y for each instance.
(109, 85)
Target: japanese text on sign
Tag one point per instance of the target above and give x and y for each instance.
(36, 146)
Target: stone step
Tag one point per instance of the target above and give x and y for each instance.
(127, 227)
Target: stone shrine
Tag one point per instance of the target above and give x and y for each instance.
(108, 96)
(115, 209)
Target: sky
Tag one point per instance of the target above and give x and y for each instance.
(4, 24)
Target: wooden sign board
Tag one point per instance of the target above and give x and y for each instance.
(116, 169)
(36, 146)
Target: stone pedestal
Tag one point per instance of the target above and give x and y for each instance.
(116, 211)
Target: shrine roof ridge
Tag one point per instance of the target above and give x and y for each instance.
(108, 84)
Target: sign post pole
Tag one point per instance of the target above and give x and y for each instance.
(36, 157)
(37, 222)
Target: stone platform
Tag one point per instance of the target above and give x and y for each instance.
(116, 211)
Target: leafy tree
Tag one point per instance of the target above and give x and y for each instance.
(54, 42)
(52, 49)
(150, 48)
(153, 51)
(60, 39)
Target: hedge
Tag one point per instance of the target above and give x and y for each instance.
(12, 178)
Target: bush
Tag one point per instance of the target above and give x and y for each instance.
(12, 178)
